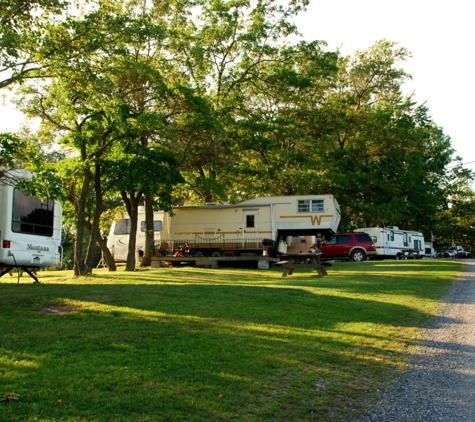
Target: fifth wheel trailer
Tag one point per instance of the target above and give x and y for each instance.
(30, 228)
(395, 243)
(253, 227)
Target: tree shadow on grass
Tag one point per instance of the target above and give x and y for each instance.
(165, 353)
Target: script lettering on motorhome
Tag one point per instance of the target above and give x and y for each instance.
(37, 248)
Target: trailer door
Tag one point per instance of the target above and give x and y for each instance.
(250, 226)
(386, 239)
(418, 244)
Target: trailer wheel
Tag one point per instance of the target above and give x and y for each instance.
(216, 253)
(198, 254)
(358, 255)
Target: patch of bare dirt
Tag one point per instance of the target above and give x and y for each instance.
(58, 310)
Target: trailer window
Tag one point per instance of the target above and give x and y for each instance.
(32, 215)
(250, 221)
(310, 205)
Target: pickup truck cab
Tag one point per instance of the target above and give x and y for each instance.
(459, 252)
(454, 252)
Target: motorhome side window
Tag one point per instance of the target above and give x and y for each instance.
(122, 227)
(310, 205)
(32, 215)
(157, 226)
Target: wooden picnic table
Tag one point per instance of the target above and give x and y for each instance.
(303, 260)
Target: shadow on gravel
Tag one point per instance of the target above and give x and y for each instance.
(455, 348)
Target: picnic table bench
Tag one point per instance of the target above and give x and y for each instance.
(303, 260)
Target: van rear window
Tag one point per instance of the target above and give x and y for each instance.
(363, 237)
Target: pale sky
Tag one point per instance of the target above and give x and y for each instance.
(439, 34)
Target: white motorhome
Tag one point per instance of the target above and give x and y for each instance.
(394, 243)
(250, 227)
(118, 239)
(30, 228)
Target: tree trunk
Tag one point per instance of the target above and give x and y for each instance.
(149, 233)
(106, 253)
(132, 204)
(95, 233)
(80, 206)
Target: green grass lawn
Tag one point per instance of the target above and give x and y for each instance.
(191, 344)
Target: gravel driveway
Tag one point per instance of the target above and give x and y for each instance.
(440, 383)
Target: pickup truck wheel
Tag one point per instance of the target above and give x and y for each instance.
(198, 254)
(357, 255)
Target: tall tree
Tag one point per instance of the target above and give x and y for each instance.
(23, 23)
(70, 105)
(385, 157)
(225, 54)
(105, 101)
(279, 130)
(454, 223)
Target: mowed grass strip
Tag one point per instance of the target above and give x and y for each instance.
(191, 344)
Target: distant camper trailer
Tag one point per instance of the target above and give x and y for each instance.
(394, 243)
(253, 227)
(30, 229)
(430, 251)
(118, 239)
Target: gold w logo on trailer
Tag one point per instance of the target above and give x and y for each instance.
(313, 218)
